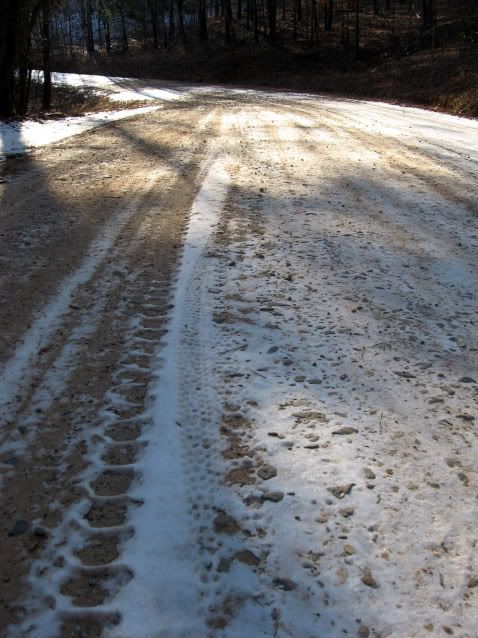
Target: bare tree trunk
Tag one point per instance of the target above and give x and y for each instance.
(329, 15)
(124, 32)
(24, 72)
(145, 30)
(202, 15)
(314, 24)
(22, 94)
(294, 32)
(344, 37)
(172, 26)
(163, 24)
(256, 22)
(70, 30)
(103, 16)
(153, 12)
(107, 35)
(229, 31)
(263, 19)
(46, 50)
(99, 30)
(181, 31)
(357, 29)
(17, 19)
(90, 42)
(272, 19)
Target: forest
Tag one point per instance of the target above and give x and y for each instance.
(235, 41)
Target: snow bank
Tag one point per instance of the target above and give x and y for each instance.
(18, 137)
(120, 89)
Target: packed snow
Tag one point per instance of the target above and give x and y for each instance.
(316, 330)
(384, 119)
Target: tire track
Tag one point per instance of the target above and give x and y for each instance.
(96, 418)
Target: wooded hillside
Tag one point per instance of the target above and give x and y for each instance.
(422, 51)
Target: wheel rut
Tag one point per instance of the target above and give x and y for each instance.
(71, 451)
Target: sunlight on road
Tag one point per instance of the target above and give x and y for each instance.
(246, 386)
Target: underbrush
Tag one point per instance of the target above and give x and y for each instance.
(73, 101)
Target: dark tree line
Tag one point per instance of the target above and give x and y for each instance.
(16, 18)
(110, 26)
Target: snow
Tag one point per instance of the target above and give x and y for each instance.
(170, 590)
(334, 281)
(168, 595)
(19, 137)
(381, 118)
(310, 320)
(119, 89)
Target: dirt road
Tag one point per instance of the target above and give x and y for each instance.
(238, 374)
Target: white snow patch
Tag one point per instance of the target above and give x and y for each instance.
(19, 137)
(353, 284)
(120, 89)
(163, 596)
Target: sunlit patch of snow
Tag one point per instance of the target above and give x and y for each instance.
(119, 89)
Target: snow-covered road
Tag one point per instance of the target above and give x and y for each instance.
(255, 414)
